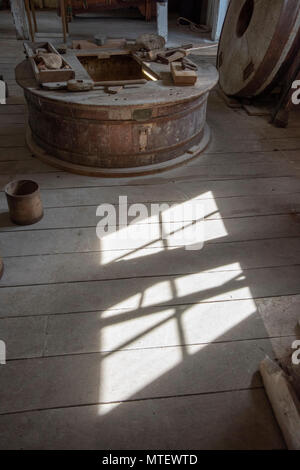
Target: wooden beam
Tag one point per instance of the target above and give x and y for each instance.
(28, 12)
(63, 19)
(162, 19)
(284, 402)
(217, 12)
(19, 16)
(32, 6)
(2, 101)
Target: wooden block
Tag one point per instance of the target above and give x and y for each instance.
(230, 101)
(284, 402)
(183, 77)
(84, 44)
(115, 42)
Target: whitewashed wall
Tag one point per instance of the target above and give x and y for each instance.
(216, 12)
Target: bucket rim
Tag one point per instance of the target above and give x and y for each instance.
(29, 195)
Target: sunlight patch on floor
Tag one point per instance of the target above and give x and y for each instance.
(125, 374)
(162, 227)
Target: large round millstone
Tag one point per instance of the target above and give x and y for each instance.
(258, 42)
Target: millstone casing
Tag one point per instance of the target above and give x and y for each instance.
(139, 130)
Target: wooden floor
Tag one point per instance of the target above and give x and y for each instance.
(145, 345)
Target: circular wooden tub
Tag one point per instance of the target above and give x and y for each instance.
(141, 129)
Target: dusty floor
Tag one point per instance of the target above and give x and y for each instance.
(135, 346)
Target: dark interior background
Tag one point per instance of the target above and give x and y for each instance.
(194, 10)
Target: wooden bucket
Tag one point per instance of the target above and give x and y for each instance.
(24, 202)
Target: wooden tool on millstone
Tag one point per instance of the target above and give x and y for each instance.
(187, 64)
(162, 55)
(87, 85)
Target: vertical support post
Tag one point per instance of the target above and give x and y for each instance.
(148, 10)
(63, 19)
(162, 19)
(27, 6)
(33, 15)
(2, 101)
(219, 9)
(19, 16)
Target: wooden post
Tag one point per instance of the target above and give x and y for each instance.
(162, 19)
(33, 15)
(148, 10)
(2, 91)
(19, 16)
(27, 7)
(284, 402)
(1, 267)
(63, 19)
(217, 12)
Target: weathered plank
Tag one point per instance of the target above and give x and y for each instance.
(140, 293)
(155, 327)
(52, 241)
(18, 153)
(11, 130)
(244, 187)
(77, 267)
(280, 314)
(13, 141)
(223, 208)
(203, 173)
(222, 143)
(227, 171)
(219, 414)
(132, 374)
(69, 197)
(11, 118)
(24, 166)
(23, 346)
(12, 109)
(19, 16)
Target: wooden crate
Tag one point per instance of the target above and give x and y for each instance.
(46, 76)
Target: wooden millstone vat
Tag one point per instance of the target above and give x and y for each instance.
(257, 45)
(139, 130)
